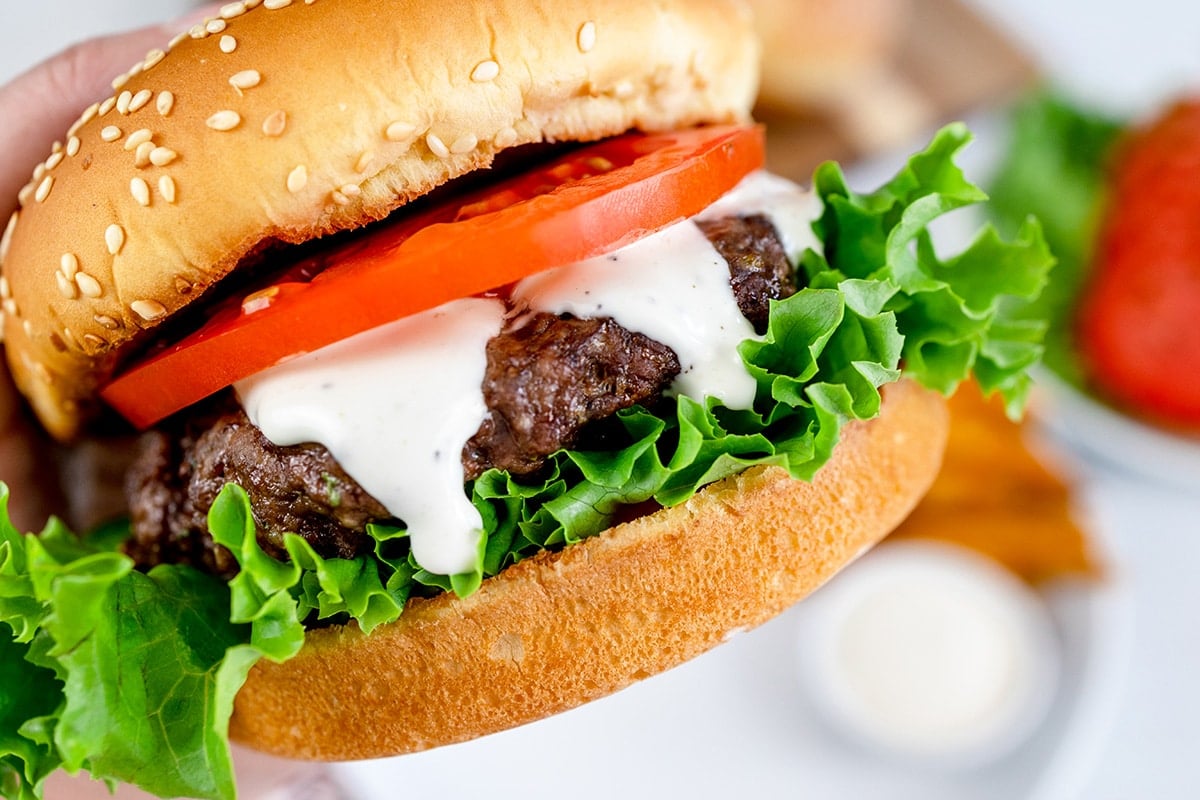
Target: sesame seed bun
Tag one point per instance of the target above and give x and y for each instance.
(279, 122)
(563, 628)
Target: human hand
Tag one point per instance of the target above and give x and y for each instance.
(38, 106)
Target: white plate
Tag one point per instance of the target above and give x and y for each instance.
(738, 720)
(1097, 431)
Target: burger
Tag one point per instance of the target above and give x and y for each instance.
(482, 372)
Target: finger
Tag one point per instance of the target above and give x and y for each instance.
(27, 463)
(40, 104)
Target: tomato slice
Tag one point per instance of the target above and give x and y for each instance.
(583, 204)
(1138, 333)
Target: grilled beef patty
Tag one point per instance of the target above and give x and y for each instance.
(545, 381)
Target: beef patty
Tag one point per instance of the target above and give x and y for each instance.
(544, 382)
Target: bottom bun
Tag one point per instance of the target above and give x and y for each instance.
(560, 629)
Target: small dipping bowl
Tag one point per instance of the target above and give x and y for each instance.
(930, 653)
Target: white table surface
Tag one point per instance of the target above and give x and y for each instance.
(1147, 743)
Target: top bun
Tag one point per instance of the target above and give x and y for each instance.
(285, 120)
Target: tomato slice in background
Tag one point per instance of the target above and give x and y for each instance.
(1139, 319)
(588, 202)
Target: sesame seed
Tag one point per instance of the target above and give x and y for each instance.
(140, 191)
(297, 179)
(114, 238)
(161, 156)
(183, 285)
(6, 241)
(140, 136)
(43, 189)
(350, 190)
(231, 10)
(110, 133)
(41, 370)
(214, 26)
(65, 286)
(120, 81)
(198, 31)
(179, 37)
(73, 146)
(55, 159)
(164, 103)
(246, 79)
(69, 264)
(140, 99)
(166, 187)
(89, 114)
(251, 4)
(506, 137)
(10, 307)
(123, 101)
(25, 195)
(464, 144)
(224, 120)
(485, 71)
(364, 162)
(105, 321)
(152, 58)
(27, 326)
(106, 106)
(437, 146)
(586, 38)
(624, 89)
(399, 131)
(141, 158)
(56, 147)
(274, 4)
(228, 44)
(148, 309)
(339, 198)
(94, 341)
(39, 171)
(275, 123)
(88, 285)
(57, 342)
(5, 292)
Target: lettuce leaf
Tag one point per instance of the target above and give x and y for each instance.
(132, 676)
(1054, 168)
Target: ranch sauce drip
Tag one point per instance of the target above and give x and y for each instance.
(395, 405)
(672, 286)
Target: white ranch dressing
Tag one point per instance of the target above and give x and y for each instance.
(395, 405)
(672, 286)
(790, 209)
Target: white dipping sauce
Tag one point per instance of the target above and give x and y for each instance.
(932, 652)
(395, 405)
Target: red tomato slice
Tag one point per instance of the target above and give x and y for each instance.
(586, 203)
(1139, 320)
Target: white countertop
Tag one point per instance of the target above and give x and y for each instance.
(1142, 742)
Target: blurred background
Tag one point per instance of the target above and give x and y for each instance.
(1029, 633)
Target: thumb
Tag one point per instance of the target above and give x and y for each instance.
(39, 105)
